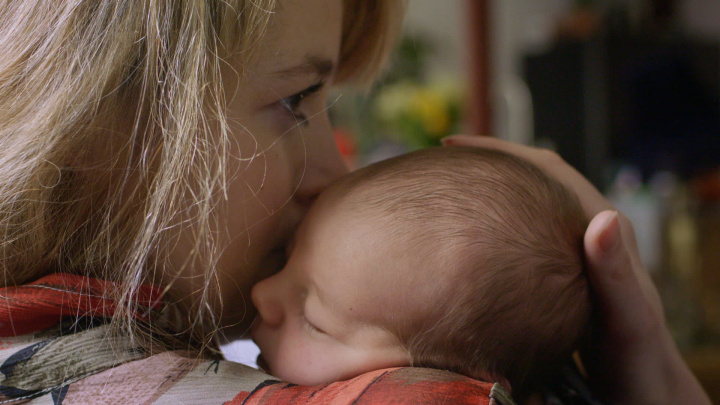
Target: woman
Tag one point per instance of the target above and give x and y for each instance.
(157, 157)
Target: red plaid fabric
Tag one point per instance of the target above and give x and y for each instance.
(41, 304)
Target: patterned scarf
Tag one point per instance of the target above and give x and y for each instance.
(55, 349)
(39, 305)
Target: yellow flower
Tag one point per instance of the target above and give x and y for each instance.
(419, 113)
(392, 102)
(431, 109)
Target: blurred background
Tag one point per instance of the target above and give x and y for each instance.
(627, 91)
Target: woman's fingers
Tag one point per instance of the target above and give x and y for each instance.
(630, 304)
(610, 266)
(591, 199)
(632, 357)
(618, 274)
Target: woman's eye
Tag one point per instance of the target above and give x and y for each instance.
(293, 103)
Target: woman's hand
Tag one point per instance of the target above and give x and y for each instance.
(632, 359)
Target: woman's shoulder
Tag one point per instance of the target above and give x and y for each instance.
(169, 377)
(79, 361)
(84, 366)
(401, 386)
(88, 367)
(174, 378)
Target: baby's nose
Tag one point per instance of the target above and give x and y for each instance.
(269, 307)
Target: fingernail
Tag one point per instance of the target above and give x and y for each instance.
(447, 141)
(610, 234)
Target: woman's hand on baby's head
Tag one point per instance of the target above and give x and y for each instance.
(632, 350)
(550, 162)
(633, 358)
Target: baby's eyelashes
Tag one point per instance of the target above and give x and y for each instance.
(312, 327)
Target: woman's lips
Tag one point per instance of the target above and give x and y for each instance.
(274, 262)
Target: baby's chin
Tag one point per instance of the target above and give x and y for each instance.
(289, 377)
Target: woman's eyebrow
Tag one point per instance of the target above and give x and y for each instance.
(311, 65)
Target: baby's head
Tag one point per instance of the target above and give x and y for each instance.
(457, 258)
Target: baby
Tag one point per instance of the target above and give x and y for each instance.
(462, 259)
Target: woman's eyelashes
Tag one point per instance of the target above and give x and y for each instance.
(294, 102)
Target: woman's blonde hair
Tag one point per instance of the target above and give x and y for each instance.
(142, 78)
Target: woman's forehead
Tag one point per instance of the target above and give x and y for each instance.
(303, 35)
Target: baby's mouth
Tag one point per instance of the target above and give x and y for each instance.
(262, 363)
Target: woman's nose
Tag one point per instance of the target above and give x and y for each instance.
(267, 299)
(322, 164)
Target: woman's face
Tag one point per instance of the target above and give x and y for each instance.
(282, 155)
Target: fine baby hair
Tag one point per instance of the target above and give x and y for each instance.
(520, 300)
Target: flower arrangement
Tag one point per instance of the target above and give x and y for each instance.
(418, 114)
(407, 109)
